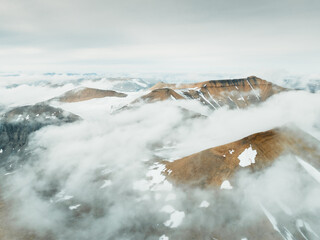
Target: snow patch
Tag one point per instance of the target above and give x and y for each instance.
(226, 185)
(175, 220)
(230, 99)
(74, 207)
(156, 173)
(231, 151)
(176, 217)
(156, 180)
(206, 100)
(172, 97)
(204, 204)
(247, 157)
(106, 183)
(62, 196)
(163, 237)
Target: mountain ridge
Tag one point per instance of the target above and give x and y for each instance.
(234, 93)
(85, 93)
(212, 166)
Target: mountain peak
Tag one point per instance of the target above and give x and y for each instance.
(235, 93)
(212, 166)
(85, 93)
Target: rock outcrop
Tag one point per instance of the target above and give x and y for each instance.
(17, 124)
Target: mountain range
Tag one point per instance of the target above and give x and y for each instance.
(165, 186)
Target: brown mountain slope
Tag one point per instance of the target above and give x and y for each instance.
(235, 93)
(83, 94)
(160, 95)
(214, 165)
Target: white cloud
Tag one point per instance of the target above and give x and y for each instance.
(160, 36)
(79, 158)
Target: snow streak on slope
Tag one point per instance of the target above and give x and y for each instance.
(310, 169)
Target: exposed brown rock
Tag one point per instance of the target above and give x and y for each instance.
(160, 95)
(214, 165)
(83, 94)
(235, 93)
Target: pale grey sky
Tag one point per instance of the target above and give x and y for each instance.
(160, 36)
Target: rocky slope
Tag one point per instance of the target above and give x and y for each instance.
(235, 93)
(17, 124)
(213, 166)
(83, 94)
(218, 167)
(160, 94)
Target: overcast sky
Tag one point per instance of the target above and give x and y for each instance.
(160, 36)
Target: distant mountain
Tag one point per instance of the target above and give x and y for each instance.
(213, 166)
(83, 94)
(235, 93)
(310, 85)
(129, 84)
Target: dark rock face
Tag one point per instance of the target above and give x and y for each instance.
(17, 124)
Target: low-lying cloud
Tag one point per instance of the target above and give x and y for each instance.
(100, 178)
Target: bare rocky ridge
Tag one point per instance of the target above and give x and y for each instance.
(212, 166)
(84, 94)
(235, 93)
